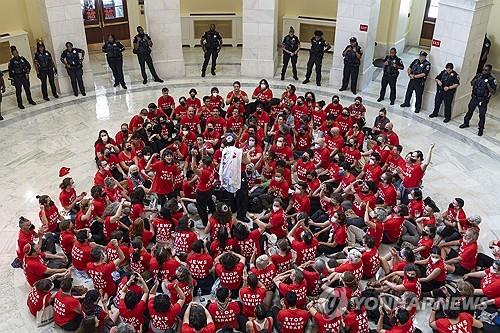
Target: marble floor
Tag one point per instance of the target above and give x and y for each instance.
(38, 141)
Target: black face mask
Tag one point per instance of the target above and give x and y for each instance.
(135, 174)
(304, 159)
(210, 129)
(107, 155)
(345, 114)
(365, 191)
(309, 99)
(309, 179)
(413, 160)
(125, 131)
(335, 101)
(128, 149)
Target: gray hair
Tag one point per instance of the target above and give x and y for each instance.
(476, 219)
(111, 209)
(125, 328)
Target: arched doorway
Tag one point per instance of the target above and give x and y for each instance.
(103, 17)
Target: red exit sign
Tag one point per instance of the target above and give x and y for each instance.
(436, 43)
(363, 27)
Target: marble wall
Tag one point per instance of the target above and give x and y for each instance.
(351, 14)
(461, 44)
(164, 26)
(62, 22)
(260, 31)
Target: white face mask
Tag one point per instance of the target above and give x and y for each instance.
(410, 196)
(275, 208)
(106, 168)
(372, 162)
(279, 144)
(434, 260)
(147, 157)
(215, 94)
(297, 191)
(278, 179)
(185, 132)
(263, 86)
(251, 143)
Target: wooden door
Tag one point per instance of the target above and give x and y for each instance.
(431, 12)
(104, 17)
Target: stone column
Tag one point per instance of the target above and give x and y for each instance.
(163, 19)
(460, 42)
(62, 22)
(355, 18)
(260, 31)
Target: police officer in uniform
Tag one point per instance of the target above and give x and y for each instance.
(211, 43)
(291, 47)
(72, 58)
(484, 54)
(447, 84)
(392, 65)
(318, 48)
(113, 50)
(2, 90)
(142, 47)
(19, 73)
(418, 71)
(352, 59)
(45, 68)
(483, 86)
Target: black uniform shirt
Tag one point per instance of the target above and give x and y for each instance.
(350, 57)
(291, 43)
(318, 46)
(480, 85)
(19, 66)
(448, 79)
(142, 44)
(44, 60)
(390, 70)
(73, 57)
(113, 50)
(417, 67)
(213, 39)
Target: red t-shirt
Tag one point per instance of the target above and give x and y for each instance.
(356, 269)
(372, 172)
(464, 324)
(299, 289)
(64, 308)
(413, 286)
(468, 253)
(165, 320)
(292, 320)
(135, 316)
(67, 197)
(393, 227)
(184, 240)
(166, 271)
(250, 298)
(52, 215)
(102, 278)
(230, 279)
(278, 223)
(36, 300)
(66, 240)
(490, 284)
(301, 203)
(282, 263)
(377, 233)
(206, 180)
(199, 264)
(438, 264)
(142, 264)
(304, 251)
(327, 324)
(80, 255)
(266, 275)
(165, 102)
(371, 263)
(281, 187)
(210, 328)
(223, 317)
(413, 175)
(249, 245)
(23, 239)
(163, 182)
(357, 322)
(163, 228)
(322, 156)
(388, 194)
(263, 95)
(34, 268)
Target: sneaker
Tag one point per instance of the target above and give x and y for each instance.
(464, 125)
(433, 115)
(404, 105)
(446, 120)
(144, 81)
(306, 81)
(213, 73)
(480, 132)
(75, 94)
(1, 118)
(158, 80)
(282, 78)
(124, 86)
(380, 99)
(318, 84)
(354, 92)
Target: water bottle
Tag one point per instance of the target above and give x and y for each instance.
(201, 299)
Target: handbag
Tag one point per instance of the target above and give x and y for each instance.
(46, 315)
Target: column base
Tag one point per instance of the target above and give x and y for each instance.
(458, 108)
(364, 78)
(64, 83)
(170, 68)
(258, 68)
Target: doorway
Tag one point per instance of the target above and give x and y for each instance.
(103, 17)
(430, 16)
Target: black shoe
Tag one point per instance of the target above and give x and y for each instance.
(480, 132)
(464, 125)
(306, 81)
(433, 115)
(76, 94)
(282, 78)
(417, 110)
(295, 78)
(202, 74)
(354, 92)
(213, 73)
(84, 94)
(404, 105)
(380, 99)
(116, 84)
(318, 84)
(158, 80)
(1, 118)
(446, 120)
(20, 106)
(392, 102)
(342, 89)
(144, 81)
(46, 98)
(243, 219)
(124, 86)
(32, 102)
(56, 96)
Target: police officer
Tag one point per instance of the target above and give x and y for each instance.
(352, 59)
(483, 86)
(142, 47)
(392, 65)
(318, 48)
(45, 68)
(19, 73)
(211, 43)
(484, 54)
(113, 50)
(2, 90)
(447, 84)
(418, 71)
(291, 47)
(72, 58)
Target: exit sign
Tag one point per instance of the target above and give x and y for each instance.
(436, 43)
(363, 27)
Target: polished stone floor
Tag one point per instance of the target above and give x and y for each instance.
(36, 142)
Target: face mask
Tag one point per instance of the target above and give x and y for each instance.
(309, 99)
(215, 94)
(365, 190)
(358, 102)
(309, 179)
(372, 162)
(275, 208)
(124, 131)
(107, 154)
(144, 117)
(168, 159)
(345, 114)
(493, 269)
(341, 173)
(317, 146)
(210, 129)
(299, 102)
(278, 179)
(251, 143)
(335, 101)
(413, 160)
(434, 260)
(279, 144)
(193, 96)
(106, 168)
(410, 277)
(128, 149)
(185, 132)
(147, 157)
(263, 86)
(305, 158)
(183, 103)
(135, 174)
(297, 191)
(410, 196)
